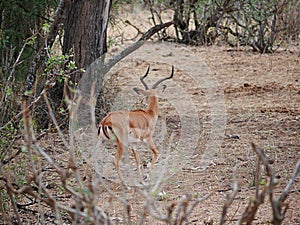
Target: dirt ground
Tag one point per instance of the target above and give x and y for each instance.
(244, 97)
(238, 97)
(219, 101)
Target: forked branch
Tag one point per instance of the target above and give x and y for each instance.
(279, 208)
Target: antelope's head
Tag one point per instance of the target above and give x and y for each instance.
(156, 88)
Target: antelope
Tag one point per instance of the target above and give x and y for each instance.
(132, 127)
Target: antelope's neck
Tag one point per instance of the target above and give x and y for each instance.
(153, 106)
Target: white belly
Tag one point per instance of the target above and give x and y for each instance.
(136, 135)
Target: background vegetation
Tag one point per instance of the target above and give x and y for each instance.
(262, 25)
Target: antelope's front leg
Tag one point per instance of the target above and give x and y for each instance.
(154, 150)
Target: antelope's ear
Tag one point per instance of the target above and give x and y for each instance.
(161, 88)
(139, 91)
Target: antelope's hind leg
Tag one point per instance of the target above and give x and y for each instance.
(137, 161)
(117, 159)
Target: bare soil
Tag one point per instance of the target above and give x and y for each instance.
(237, 97)
(240, 97)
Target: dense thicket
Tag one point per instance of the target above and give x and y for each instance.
(259, 24)
(23, 25)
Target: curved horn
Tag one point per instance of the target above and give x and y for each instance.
(163, 79)
(143, 77)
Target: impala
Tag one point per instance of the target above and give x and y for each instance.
(131, 127)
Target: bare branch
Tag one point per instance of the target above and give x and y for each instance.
(49, 84)
(288, 187)
(249, 214)
(230, 198)
(278, 206)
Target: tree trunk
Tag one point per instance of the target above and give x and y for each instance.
(85, 31)
(85, 27)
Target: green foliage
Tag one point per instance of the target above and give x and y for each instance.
(8, 134)
(55, 61)
(258, 19)
(262, 182)
(21, 26)
(21, 19)
(20, 16)
(60, 65)
(46, 27)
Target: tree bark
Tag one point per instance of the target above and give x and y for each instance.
(85, 31)
(85, 27)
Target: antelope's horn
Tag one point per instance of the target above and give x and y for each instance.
(143, 77)
(163, 79)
